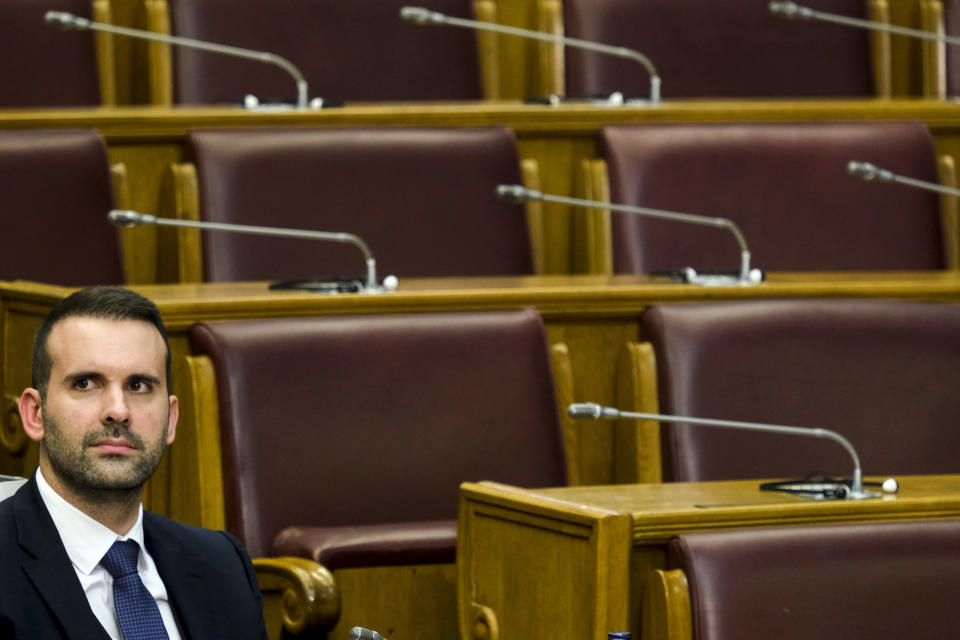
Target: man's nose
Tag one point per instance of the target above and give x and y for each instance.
(115, 409)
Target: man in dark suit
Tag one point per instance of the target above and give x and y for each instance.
(79, 558)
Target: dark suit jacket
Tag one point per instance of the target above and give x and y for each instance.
(208, 576)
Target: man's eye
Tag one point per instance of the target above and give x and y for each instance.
(139, 385)
(82, 383)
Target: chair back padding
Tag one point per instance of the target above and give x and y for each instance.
(785, 185)
(57, 192)
(42, 66)
(951, 20)
(423, 200)
(346, 49)
(881, 373)
(342, 422)
(880, 581)
(731, 49)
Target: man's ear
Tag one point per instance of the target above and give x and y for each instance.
(172, 421)
(31, 414)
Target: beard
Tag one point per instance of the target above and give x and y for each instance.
(91, 474)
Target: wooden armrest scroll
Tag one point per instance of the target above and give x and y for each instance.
(666, 606)
(310, 596)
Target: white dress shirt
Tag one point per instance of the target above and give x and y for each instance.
(86, 542)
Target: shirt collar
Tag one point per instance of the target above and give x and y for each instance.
(85, 540)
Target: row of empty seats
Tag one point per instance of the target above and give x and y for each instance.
(424, 200)
(344, 439)
(361, 51)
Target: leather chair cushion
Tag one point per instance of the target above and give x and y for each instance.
(880, 581)
(785, 185)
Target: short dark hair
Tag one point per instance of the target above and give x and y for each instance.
(109, 303)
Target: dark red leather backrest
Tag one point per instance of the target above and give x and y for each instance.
(56, 195)
(878, 581)
(346, 49)
(951, 18)
(423, 199)
(42, 66)
(338, 421)
(785, 185)
(879, 372)
(730, 49)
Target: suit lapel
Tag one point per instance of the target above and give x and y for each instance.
(186, 577)
(50, 569)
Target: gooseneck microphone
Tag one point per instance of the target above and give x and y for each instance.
(359, 633)
(518, 194)
(870, 173)
(68, 21)
(793, 11)
(593, 411)
(421, 16)
(123, 218)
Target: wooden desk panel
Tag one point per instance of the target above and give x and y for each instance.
(594, 315)
(568, 563)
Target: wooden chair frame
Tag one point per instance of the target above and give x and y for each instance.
(180, 253)
(552, 70)
(303, 598)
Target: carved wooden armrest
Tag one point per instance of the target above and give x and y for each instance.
(309, 596)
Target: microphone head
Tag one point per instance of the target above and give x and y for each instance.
(61, 20)
(867, 171)
(788, 9)
(516, 193)
(419, 15)
(123, 218)
(359, 633)
(585, 411)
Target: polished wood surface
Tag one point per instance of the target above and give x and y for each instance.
(588, 550)
(595, 316)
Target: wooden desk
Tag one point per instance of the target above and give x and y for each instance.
(594, 315)
(148, 139)
(568, 563)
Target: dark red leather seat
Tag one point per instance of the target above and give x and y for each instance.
(57, 192)
(349, 50)
(879, 372)
(423, 199)
(785, 185)
(731, 49)
(42, 66)
(878, 581)
(345, 439)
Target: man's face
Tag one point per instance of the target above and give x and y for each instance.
(108, 416)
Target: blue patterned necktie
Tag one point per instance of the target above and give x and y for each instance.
(137, 611)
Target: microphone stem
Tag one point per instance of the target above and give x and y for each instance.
(724, 223)
(576, 43)
(856, 488)
(285, 233)
(923, 184)
(260, 56)
(804, 12)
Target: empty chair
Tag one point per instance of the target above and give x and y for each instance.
(57, 190)
(879, 581)
(347, 50)
(44, 67)
(723, 50)
(345, 440)
(786, 186)
(879, 372)
(422, 199)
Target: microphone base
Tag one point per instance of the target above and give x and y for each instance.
(252, 103)
(821, 488)
(614, 100)
(720, 279)
(334, 285)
